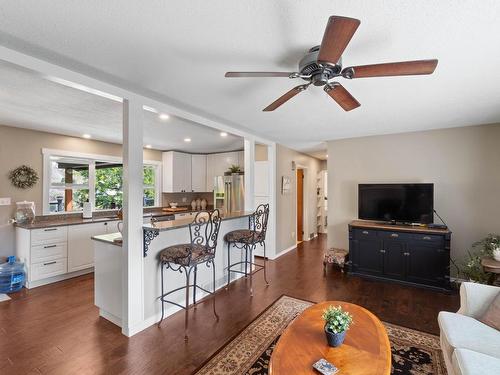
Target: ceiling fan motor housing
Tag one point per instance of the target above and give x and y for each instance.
(318, 74)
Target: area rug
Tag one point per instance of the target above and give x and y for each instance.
(413, 352)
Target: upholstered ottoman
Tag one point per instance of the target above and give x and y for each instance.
(335, 256)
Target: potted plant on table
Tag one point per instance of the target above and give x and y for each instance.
(337, 322)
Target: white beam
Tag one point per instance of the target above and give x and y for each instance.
(249, 152)
(133, 298)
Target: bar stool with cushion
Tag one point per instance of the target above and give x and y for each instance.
(248, 239)
(185, 258)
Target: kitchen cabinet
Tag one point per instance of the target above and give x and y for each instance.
(199, 173)
(176, 172)
(56, 253)
(218, 164)
(80, 246)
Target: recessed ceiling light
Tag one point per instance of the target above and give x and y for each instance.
(163, 116)
(87, 136)
(223, 134)
(187, 139)
(148, 146)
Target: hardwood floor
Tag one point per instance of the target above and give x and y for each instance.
(55, 329)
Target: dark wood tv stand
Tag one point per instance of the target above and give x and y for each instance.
(406, 254)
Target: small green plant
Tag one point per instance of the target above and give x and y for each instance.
(336, 319)
(471, 269)
(234, 168)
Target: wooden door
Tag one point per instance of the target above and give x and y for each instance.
(300, 205)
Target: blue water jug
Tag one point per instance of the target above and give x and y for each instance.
(12, 276)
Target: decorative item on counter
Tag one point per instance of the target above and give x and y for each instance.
(203, 204)
(119, 214)
(173, 204)
(23, 177)
(193, 204)
(198, 203)
(87, 210)
(337, 322)
(25, 212)
(233, 169)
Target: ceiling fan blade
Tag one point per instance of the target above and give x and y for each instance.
(258, 74)
(284, 98)
(403, 68)
(338, 33)
(341, 96)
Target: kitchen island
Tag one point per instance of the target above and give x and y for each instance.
(108, 267)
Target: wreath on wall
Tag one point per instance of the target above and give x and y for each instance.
(23, 177)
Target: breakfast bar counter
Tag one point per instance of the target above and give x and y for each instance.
(108, 266)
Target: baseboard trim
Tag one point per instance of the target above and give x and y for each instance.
(54, 279)
(285, 251)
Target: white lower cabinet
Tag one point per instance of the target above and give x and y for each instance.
(81, 247)
(57, 253)
(48, 268)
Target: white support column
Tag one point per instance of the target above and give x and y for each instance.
(274, 191)
(249, 145)
(132, 283)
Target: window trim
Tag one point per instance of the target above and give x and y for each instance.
(92, 158)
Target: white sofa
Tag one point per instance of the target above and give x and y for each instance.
(469, 346)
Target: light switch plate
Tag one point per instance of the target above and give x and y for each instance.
(5, 202)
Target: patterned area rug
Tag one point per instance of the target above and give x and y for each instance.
(413, 352)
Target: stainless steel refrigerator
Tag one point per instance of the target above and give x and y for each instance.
(229, 192)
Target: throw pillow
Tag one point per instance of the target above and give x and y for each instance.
(492, 315)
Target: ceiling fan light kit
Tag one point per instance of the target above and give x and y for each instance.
(322, 65)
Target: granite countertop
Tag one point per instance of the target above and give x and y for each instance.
(161, 226)
(49, 221)
(174, 224)
(109, 238)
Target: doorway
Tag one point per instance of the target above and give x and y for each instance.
(300, 205)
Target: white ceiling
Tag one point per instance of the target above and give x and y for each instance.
(28, 100)
(181, 49)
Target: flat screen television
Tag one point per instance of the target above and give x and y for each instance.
(402, 203)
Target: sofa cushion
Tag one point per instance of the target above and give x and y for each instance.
(492, 315)
(464, 332)
(468, 362)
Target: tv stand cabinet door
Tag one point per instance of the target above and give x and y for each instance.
(394, 259)
(368, 256)
(427, 263)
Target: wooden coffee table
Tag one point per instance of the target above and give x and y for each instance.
(366, 349)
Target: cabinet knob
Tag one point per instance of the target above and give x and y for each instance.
(395, 235)
(382, 251)
(365, 232)
(105, 223)
(406, 254)
(426, 237)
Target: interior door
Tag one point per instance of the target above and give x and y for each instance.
(300, 205)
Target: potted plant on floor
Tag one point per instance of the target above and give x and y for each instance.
(337, 322)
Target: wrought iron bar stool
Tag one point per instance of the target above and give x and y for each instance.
(248, 239)
(185, 258)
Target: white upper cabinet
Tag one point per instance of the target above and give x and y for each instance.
(199, 173)
(241, 159)
(185, 172)
(176, 172)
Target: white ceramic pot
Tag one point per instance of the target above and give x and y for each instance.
(496, 254)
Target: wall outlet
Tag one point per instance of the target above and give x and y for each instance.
(5, 202)
(293, 234)
(184, 199)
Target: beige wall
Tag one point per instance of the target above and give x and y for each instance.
(21, 146)
(463, 163)
(287, 204)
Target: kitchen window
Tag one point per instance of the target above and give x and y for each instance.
(70, 179)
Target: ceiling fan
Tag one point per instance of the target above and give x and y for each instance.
(323, 64)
